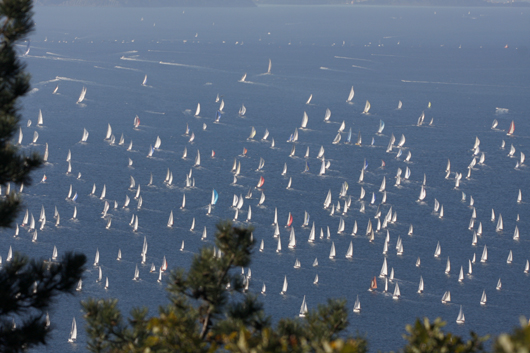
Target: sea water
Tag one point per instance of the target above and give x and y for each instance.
(454, 64)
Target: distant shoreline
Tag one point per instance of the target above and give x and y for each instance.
(256, 3)
(146, 3)
(401, 3)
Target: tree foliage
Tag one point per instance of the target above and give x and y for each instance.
(426, 336)
(15, 24)
(516, 342)
(27, 287)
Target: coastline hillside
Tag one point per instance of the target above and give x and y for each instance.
(254, 3)
(148, 3)
(399, 2)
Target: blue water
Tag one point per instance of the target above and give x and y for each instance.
(452, 57)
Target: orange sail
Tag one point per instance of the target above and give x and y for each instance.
(373, 285)
(289, 220)
(261, 182)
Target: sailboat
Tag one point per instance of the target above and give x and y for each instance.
(511, 129)
(136, 274)
(448, 266)
(332, 251)
(303, 308)
(327, 115)
(461, 318)
(81, 96)
(397, 292)
(284, 288)
(73, 332)
(309, 99)
(367, 107)
(438, 250)
(446, 298)
(305, 119)
(484, 256)
(421, 285)
(349, 253)
(350, 96)
(373, 284)
(96, 259)
(381, 127)
(357, 305)
(242, 111)
(483, 298)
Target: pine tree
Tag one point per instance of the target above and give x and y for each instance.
(27, 287)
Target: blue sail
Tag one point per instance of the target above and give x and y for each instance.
(218, 116)
(365, 165)
(215, 196)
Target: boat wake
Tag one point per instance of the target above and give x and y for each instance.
(185, 65)
(255, 83)
(348, 58)
(59, 78)
(454, 83)
(152, 112)
(54, 54)
(60, 58)
(362, 67)
(126, 68)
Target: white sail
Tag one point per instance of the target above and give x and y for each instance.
(305, 119)
(332, 251)
(284, 288)
(367, 107)
(448, 266)
(311, 238)
(349, 253)
(421, 285)
(438, 250)
(82, 95)
(327, 115)
(397, 292)
(73, 332)
(500, 224)
(483, 298)
(350, 95)
(461, 318)
(484, 256)
(243, 111)
(357, 305)
(170, 220)
(446, 298)
(384, 269)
